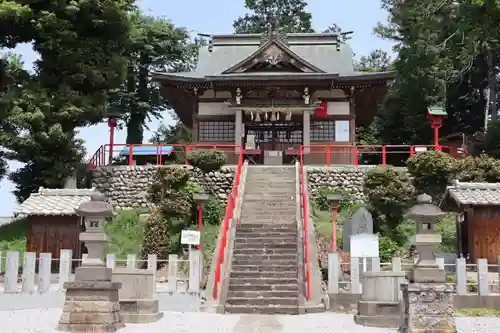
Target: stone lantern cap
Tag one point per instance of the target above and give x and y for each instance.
(425, 210)
(201, 198)
(336, 197)
(96, 207)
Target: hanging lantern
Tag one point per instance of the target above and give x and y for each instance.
(265, 115)
(277, 116)
(288, 116)
(251, 116)
(273, 116)
(257, 117)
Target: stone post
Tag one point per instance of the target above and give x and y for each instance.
(92, 299)
(427, 299)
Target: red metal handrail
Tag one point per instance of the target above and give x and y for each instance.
(102, 156)
(350, 154)
(231, 204)
(305, 224)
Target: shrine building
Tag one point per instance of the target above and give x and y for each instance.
(274, 92)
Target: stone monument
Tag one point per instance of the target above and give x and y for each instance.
(137, 303)
(92, 299)
(361, 222)
(427, 299)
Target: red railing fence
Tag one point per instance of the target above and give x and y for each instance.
(305, 227)
(231, 204)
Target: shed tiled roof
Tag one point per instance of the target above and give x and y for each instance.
(54, 201)
(475, 194)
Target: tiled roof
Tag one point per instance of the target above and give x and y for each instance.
(476, 194)
(54, 201)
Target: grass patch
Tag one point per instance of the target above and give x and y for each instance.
(13, 236)
(126, 233)
(479, 312)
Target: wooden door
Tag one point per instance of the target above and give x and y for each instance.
(485, 240)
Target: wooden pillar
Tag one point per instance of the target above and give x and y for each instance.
(306, 130)
(238, 121)
(352, 117)
(194, 128)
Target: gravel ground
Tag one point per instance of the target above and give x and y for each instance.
(45, 321)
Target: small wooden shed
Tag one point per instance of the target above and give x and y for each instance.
(52, 222)
(478, 219)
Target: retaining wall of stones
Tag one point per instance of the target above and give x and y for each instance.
(126, 186)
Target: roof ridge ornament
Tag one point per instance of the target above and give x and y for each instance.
(273, 31)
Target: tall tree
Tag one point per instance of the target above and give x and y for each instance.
(292, 16)
(81, 47)
(377, 61)
(155, 45)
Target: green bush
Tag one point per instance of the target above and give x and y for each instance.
(171, 193)
(471, 284)
(322, 203)
(431, 172)
(125, 233)
(478, 169)
(389, 193)
(388, 248)
(207, 160)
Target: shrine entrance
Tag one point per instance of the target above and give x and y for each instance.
(275, 141)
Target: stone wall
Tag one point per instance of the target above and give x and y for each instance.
(347, 179)
(126, 186)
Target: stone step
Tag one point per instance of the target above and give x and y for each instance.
(264, 227)
(269, 310)
(264, 268)
(234, 286)
(385, 321)
(267, 246)
(257, 234)
(264, 251)
(262, 293)
(265, 240)
(258, 262)
(263, 301)
(264, 256)
(263, 196)
(265, 206)
(279, 275)
(264, 212)
(268, 219)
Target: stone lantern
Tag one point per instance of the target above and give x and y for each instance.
(427, 299)
(426, 240)
(93, 289)
(95, 213)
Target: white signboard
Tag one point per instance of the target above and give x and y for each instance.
(190, 237)
(364, 246)
(420, 149)
(342, 130)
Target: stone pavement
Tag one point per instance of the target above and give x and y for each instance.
(45, 321)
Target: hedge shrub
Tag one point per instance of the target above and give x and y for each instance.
(432, 172)
(389, 193)
(207, 160)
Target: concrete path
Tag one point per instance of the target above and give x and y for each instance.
(45, 321)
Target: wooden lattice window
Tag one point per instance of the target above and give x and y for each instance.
(216, 131)
(323, 130)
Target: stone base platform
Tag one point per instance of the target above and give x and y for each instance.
(378, 314)
(91, 306)
(343, 302)
(140, 311)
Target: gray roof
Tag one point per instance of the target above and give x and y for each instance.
(54, 201)
(320, 50)
(475, 194)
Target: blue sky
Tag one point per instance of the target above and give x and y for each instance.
(217, 16)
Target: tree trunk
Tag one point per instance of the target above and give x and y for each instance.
(492, 85)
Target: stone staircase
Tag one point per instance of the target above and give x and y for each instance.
(264, 270)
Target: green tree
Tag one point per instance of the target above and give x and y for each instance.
(291, 14)
(81, 47)
(157, 45)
